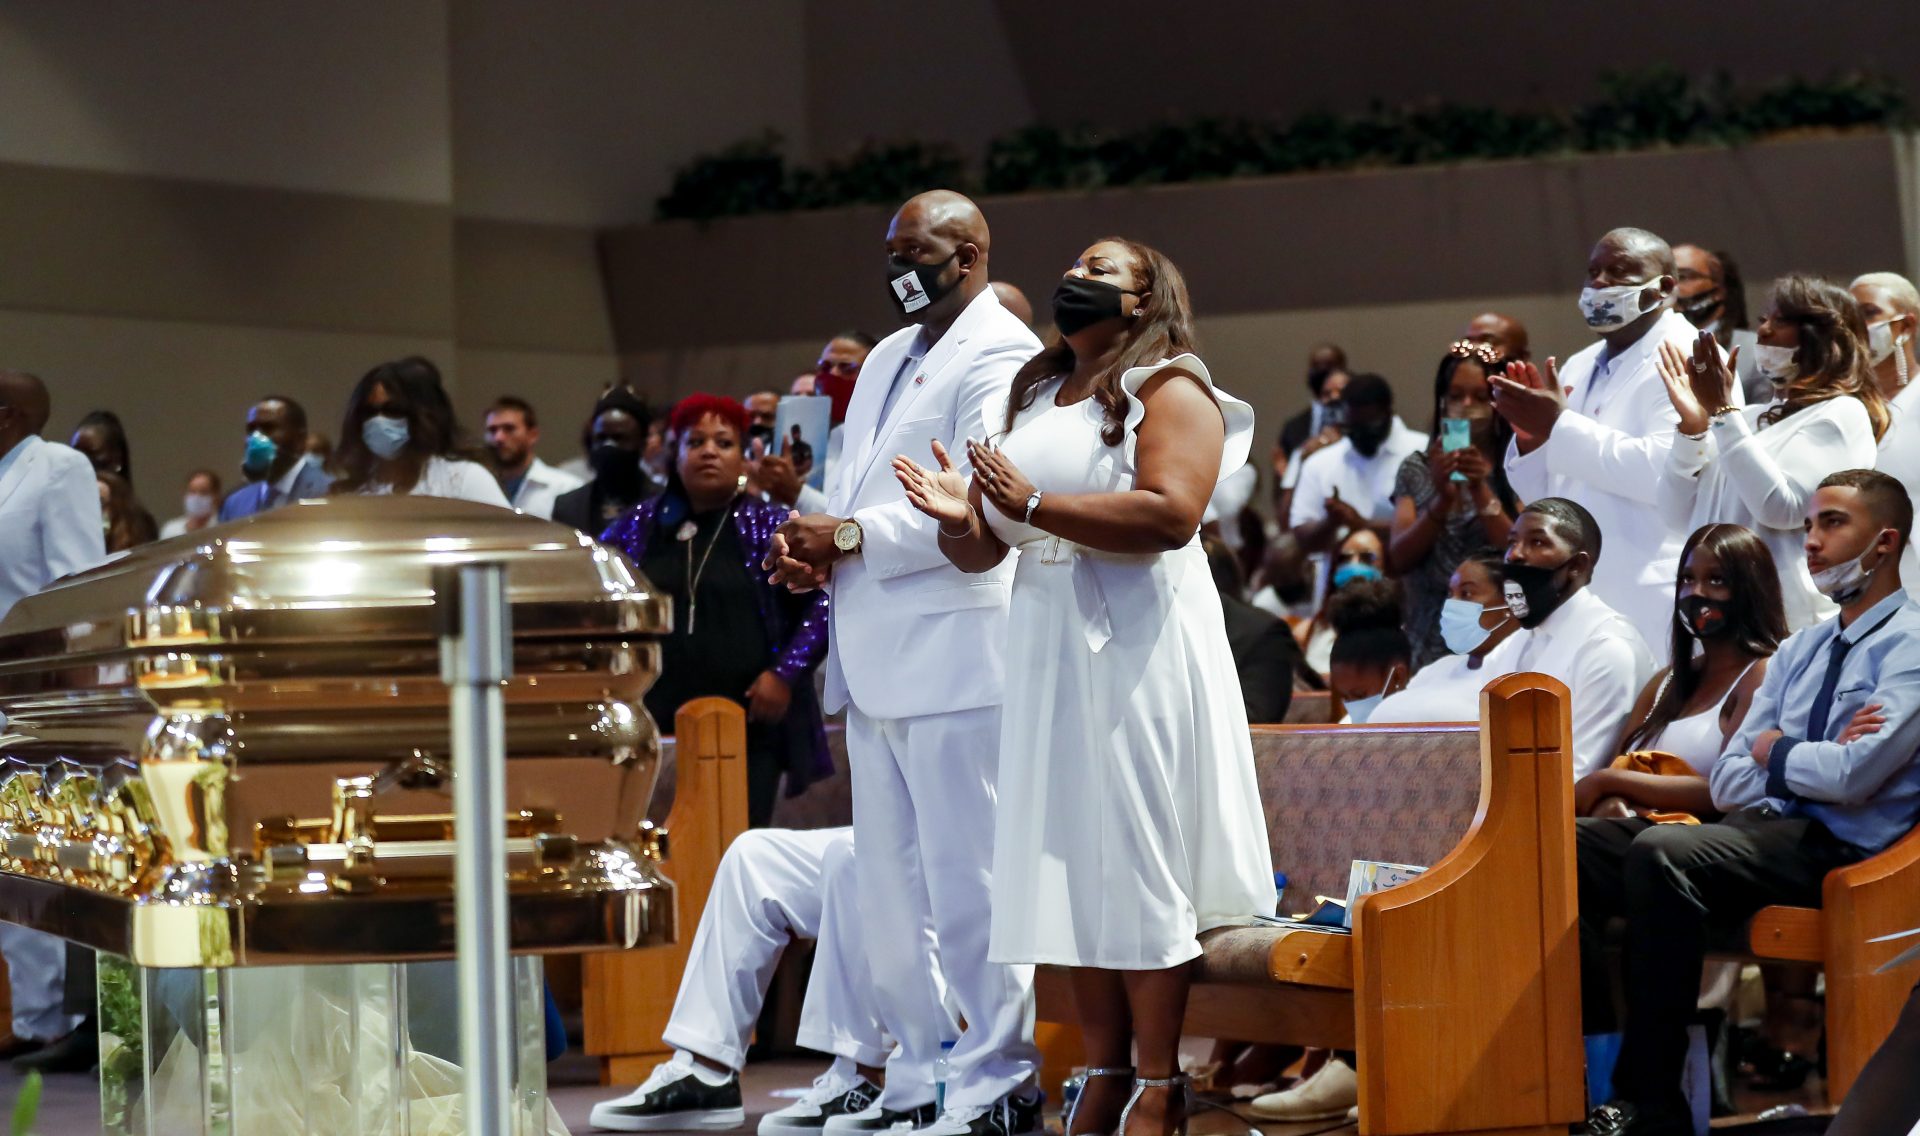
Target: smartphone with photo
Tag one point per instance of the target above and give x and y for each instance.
(800, 428)
(1456, 434)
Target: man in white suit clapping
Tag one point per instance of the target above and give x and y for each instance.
(916, 659)
(49, 528)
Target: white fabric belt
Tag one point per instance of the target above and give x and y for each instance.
(1085, 563)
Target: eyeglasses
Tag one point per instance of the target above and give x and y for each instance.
(1473, 349)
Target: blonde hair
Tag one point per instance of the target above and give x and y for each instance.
(1899, 289)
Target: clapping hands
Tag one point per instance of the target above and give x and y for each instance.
(1697, 385)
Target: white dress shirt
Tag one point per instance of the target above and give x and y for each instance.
(1608, 452)
(49, 518)
(1366, 483)
(1899, 457)
(1448, 689)
(1604, 662)
(1737, 473)
(453, 478)
(543, 485)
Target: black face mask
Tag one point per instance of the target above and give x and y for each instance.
(916, 287)
(1704, 618)
(1534, 593)
(1699, 310)
(1079, 303)
(1367, 438)
(617, 470)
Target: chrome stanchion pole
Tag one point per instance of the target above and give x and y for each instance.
(476, 657)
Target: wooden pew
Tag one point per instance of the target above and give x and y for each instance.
(1875, 897)
(1460, 989)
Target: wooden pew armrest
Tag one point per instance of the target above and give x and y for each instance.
(1787, 934)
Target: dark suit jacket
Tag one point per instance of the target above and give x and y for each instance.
(1265, 655)
(260, 496)
(1297, 430)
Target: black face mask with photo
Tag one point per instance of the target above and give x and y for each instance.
(916, 287)
(1534, 593)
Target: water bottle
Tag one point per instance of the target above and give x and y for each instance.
(941, 1069)
(1279, 893)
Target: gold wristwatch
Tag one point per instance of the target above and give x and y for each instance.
(847, 537)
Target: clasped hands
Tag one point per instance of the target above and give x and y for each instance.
(803, 551)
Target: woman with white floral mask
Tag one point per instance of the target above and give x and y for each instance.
(1758, 466)
(200, 505)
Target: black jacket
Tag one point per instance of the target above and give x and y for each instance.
(1266, 656)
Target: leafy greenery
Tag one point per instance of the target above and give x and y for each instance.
(1632, 111)
(26, 1106)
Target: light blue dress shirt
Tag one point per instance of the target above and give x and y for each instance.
(1867, 792)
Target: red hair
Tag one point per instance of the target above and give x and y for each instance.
(694, 407)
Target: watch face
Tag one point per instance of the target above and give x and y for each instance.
(846, 537)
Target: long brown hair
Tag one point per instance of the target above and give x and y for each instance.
(1756, 613)
(1832, 359)
(1164, 331)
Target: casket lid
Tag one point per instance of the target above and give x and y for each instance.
(345, 569)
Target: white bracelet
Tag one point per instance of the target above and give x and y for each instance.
(960, 535)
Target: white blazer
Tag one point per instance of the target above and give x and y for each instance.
(1741, 474)
(910, 634)
(1608, 452)
(49, 519)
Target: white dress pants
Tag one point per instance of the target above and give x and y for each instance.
(923, 807)
(37, 973)
(773, 886)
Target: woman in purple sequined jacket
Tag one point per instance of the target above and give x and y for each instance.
(734, 635)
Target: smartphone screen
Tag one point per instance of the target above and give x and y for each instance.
(1455, 434)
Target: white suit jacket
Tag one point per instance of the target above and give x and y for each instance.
(909, 633)
(541, 487)
(1608, 452)
(49, 519)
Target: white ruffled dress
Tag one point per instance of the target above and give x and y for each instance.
(1128, 820)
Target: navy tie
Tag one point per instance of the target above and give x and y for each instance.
(1823, 701)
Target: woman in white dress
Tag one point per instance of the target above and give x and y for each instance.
(1758, 466)
(1129, 818)
(398, 437)
(1728, 620)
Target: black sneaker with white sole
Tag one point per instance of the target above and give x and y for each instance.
(833, 1094)
(876, 1118)
(674, 1098)
(1016, 1114)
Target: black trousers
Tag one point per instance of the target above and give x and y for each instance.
(1673, 883)
(1886, 1098)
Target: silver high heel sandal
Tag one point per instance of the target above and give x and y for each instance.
(1177, 1081)
(1115, 1071)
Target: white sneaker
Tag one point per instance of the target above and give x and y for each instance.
(674, 1098)
(877, 1118)
(833, 1094)
(1016, 1114)
(1353, 1115)
(1327, 1095)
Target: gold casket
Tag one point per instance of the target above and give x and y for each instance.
(232, 748)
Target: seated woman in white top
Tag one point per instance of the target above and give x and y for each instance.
(1758, 466)
(1727, 621)
(1478, 631)
(1371, 658)
(398, 437)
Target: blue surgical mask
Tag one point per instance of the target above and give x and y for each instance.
(1348, 573)
(261, 452)
(386, 437)
(1460, 625)
(1361, 709)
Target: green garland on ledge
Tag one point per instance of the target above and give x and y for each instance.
(1635, 111)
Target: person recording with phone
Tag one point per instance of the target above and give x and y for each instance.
(1452, 499)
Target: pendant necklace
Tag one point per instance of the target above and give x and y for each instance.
(686, 535)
